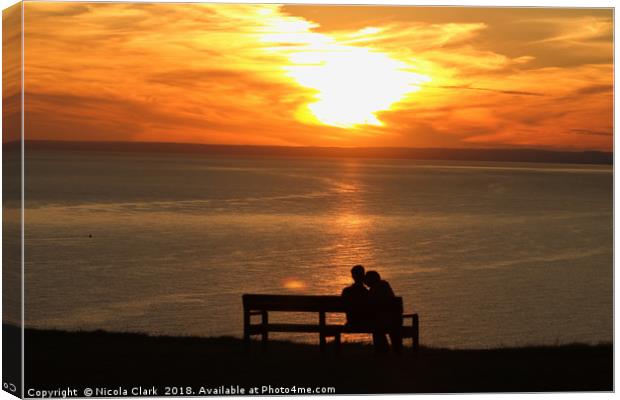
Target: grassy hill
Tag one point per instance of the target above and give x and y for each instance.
(93, 359)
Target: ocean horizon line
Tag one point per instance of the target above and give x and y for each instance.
(528, 155)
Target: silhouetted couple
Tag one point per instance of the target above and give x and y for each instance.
(370, 305)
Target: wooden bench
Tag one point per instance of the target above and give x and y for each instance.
(261, 305)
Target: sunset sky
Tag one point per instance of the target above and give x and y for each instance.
(320, 75)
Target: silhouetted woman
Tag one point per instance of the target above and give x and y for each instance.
(385, 317)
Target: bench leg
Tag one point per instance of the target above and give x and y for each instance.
(322, 339)
(246, 331)
(246, 342)
(265, 333)
(337, 343)
(415, 340)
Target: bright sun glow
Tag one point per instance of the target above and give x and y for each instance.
(352, 83)
(293, 284)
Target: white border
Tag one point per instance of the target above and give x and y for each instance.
(480, 3)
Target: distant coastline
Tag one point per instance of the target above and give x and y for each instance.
(446, 154)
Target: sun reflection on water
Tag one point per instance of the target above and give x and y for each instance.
(351, 229)
(293, 284)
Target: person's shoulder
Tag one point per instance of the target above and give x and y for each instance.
(361, 289)
(388, 287)
(354, 290)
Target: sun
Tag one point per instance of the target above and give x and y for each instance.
(352, 84)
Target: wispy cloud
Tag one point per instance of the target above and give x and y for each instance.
(228, 74)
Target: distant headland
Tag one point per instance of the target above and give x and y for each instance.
(447, 154)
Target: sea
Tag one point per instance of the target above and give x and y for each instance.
(487, 253)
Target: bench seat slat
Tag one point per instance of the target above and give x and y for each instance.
(256, 329)
(313, 328)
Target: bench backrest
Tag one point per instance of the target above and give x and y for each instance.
(279, 302)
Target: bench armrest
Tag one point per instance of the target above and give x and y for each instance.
(409, 315)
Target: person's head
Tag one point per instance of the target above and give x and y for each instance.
(372, 278)
(358, 273)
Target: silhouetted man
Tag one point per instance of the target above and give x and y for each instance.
(385, 318)
(356, 298)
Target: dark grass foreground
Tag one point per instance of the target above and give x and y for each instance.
(80, 359)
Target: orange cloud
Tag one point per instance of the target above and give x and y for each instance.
(11, 74)
(253, 74)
